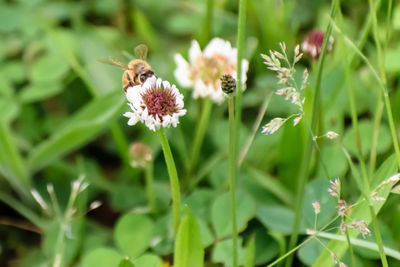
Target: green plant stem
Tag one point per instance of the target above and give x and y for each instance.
(65, 220)
(232, 177)
(199, 137)
(23, 210)
(381, 67)
(256, 126)
(353, 260)
(149, 176)
(173, 179)
(306, 162)
(239, 84)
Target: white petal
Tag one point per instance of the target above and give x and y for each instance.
(194, 52)
(133, 120)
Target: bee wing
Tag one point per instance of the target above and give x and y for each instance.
(114, 62)
(141, 51)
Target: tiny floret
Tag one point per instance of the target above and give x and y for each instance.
(317, 207)
(331, 135)
(156, 103)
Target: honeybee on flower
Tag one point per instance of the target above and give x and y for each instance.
(204, 69)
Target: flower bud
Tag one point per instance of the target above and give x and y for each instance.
(141, 155)
(228, 84)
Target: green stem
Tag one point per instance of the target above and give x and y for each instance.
(232, 176)
(150, 187)
(353, 260)
(23, 210)
(239, 85)
(199, 137)
(306, 162)
(173, 179)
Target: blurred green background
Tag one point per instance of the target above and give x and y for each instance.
(61, 116)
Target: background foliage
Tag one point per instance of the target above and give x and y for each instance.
(61, 117)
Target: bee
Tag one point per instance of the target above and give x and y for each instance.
(137, 71)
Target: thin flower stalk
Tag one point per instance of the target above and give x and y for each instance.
(173, 179)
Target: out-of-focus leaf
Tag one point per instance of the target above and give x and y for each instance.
(39, 91)
(366, 134)
(12, 165)
(50, 67)
(221, 213)
(199, 203)
(101, 257)
(9, 109)
(317, 190)
(147, 260)
(145, 31)
(188, 245)
(14, 71)
(78, 130)
(222, 252)
(278, 218)
(310, 251)
(126, 263)
(333, 160)
(11, 18)
(249, 253)
(133, 233)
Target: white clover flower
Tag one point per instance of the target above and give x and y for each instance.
(156, 103)
(204, 69)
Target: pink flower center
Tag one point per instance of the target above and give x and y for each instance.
(209, 70)
(315, 38)
(159, 102)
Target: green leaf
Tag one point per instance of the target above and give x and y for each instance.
(79, 129)
(126, 263)
(221, 213)
(39, 91)
(101, 257)
(133, 233)
(12, 166)
(222, 252)
(148, 260)
(9, 109)
(317, 190)
(249, 253)
(50, 67)
(189, 247)
(366, 134)
(277, 218)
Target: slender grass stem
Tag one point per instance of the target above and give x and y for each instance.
(232, 177)
(239, 85)
(149, 176)
(353, 260)
(235, 115)
(199, 137)
(256, 126)
(23, 210)
(173, 179)
(306, 162)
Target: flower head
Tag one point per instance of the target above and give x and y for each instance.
(155, 103)
(317, 207)
(141, 155)
(204, 69)
(313, 43)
